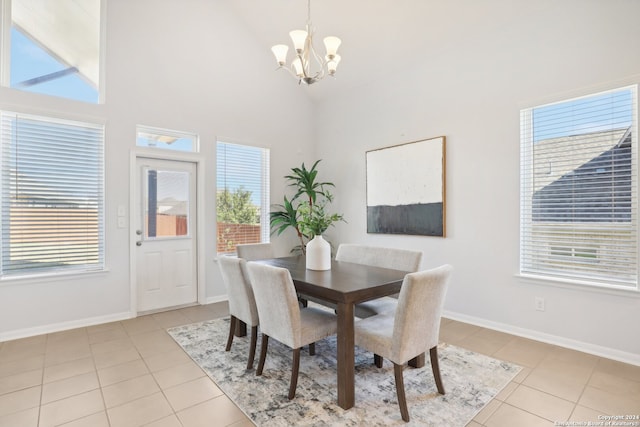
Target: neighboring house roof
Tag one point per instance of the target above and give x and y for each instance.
(171, 206)
(550, 167)
(597, 190)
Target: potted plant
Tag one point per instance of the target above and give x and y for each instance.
(306, 212)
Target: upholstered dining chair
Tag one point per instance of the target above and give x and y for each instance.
(397, 259)
(242, 304)
(254, 251)
(282, 318)
(411, 330)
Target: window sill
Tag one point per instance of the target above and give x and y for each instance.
(533, 279)
(29, 279)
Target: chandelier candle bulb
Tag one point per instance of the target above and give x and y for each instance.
(298, 37)
(332, 64)
(332, 43)
(297, 66)
(280, 52)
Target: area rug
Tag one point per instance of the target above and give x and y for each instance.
(471, 380)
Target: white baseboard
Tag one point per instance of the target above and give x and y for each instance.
(63, 326)
(82, 323)
(217, 298)
(597, 350)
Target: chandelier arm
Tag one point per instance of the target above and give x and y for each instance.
(320, 61)
(291, 71)
(303, 67)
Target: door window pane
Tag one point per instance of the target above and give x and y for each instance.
(166, 204)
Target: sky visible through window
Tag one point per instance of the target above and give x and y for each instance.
(29, 60)
(613, 110)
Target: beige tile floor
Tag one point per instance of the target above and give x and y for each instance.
(131, 373)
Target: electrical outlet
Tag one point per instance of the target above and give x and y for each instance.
(539, 303)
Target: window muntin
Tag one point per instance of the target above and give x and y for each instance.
(52, 195)
(54, 48)
(242, 200)
(579, 190)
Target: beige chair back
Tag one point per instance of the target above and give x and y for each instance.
(417, 319)
(255, 251)
(277, 303)
(242, 303)
(397, 259)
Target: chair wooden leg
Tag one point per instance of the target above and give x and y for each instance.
(263, 354)
(312, 349)
(295, 368)
(378, 360)
(232, 327)
(435, 367)
(402, 400)
(252, 347)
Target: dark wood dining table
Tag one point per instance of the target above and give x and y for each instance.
(344, 285)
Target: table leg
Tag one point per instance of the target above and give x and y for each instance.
(346, 356)
(241, 329)
(418, 361)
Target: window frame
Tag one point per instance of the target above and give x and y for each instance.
(52, 273)
(162, 132)
(6, 24)
(526, 207)
(265, 184)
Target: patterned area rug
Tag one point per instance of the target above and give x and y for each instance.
(471, 380)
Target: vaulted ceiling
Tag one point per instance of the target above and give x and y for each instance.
(378, 36)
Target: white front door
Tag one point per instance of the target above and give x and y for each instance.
(166, 272)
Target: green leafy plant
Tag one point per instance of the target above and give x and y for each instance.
(236, 207)
(306, 212)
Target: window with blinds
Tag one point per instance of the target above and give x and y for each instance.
(52, 195)
(242, 199)
(579, 186)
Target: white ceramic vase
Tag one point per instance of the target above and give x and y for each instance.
(318, 254)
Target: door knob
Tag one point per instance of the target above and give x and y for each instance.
(138, 243)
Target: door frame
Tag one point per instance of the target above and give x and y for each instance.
(198, 161)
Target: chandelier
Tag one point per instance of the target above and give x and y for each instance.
(307, 66)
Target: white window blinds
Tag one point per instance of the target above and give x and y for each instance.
(242, 200)
(579, 172)
(52, 195)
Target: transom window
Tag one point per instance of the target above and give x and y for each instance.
(579, 186)
(165, 139)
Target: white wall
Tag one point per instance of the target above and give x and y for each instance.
(188, 66)
(192, 66)
(472, 92)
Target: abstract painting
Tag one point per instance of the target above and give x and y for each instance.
(406, 188)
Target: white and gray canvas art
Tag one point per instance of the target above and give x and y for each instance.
(406, 188)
